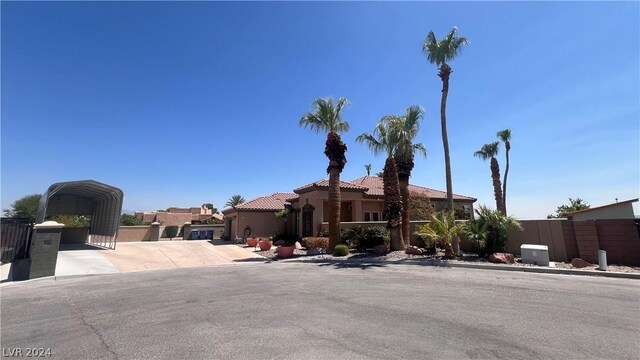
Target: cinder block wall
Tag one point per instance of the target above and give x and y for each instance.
(620, 239)
(570, 239)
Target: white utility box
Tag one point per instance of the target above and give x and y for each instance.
(535, 254)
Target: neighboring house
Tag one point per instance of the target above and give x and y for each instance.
(178, 216)
(617, 210)
(257, 217)
(362, 200)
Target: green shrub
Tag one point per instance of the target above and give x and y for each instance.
(341, 250)
(171, 231)
(361, 238)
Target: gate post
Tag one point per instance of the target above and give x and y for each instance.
(155, 231)
(186, 231)
(44, 249)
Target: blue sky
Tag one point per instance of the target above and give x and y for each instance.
(184, 103)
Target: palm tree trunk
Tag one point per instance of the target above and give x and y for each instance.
(406, 225)
(334, 208)
(405, 166)
(334, 150)
(504, 183)
(393, 204)
(497, 186)
(443, 73)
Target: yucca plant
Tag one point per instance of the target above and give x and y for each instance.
(441, 231)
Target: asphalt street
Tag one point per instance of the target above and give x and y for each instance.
(324, 311)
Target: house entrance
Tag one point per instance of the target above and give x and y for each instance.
(307, 220)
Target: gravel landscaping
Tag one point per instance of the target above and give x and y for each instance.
(301, 254)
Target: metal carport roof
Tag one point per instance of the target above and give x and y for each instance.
(87, 197)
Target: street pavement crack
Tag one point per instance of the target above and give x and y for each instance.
(76, 309)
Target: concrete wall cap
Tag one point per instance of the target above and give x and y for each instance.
(534, 247)
(155, 223)
(187, 223)
(49, 225)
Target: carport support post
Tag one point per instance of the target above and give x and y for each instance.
(44, 249)
(155, 231)
(186, 231)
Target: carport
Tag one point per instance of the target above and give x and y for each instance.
(89, 198)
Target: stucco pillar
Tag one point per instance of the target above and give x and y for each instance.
(186, 231)
(44, 249)
(357, 210)
(155, 231)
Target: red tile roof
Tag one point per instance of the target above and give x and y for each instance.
(324, 183)
(275, 202)
(376, 188)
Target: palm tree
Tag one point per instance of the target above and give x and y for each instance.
(368, 168)
(489, 151)
(407, 128)
(505, 136)
(441, 231)
(327, 117)
(439, 53)
(380, 174)
(384, 140)
(234, 201)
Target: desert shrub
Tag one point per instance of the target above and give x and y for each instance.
(171, 231)
(323, 233)
(341, 250)
(359, 237)
(316, 242)
(352, 236)
(374, 236)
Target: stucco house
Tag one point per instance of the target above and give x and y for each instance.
(178, 216)
(617, 210)
(362, 201)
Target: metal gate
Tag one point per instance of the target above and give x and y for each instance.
(15, 238)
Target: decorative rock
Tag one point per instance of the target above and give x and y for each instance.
(579, 263)
(313, 251)
(279, 243)
(298, 246)
(414, 250)
(380, 249)
(502, 258)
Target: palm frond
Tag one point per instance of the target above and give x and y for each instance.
(504, 135)
(488, 151)
(326, 116)
(440, 52)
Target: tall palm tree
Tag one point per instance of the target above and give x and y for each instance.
(327, 117)
(384, 140)
(439, 53)
(380, 174)
(505, 136)
(407, 128)
(489, 151)
(368, 168)
(234, 201)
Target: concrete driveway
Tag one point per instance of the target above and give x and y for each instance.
(309, 311)
(137, 256)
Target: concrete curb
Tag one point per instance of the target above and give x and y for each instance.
(436, 263)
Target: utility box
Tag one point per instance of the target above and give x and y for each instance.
(535, 254)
